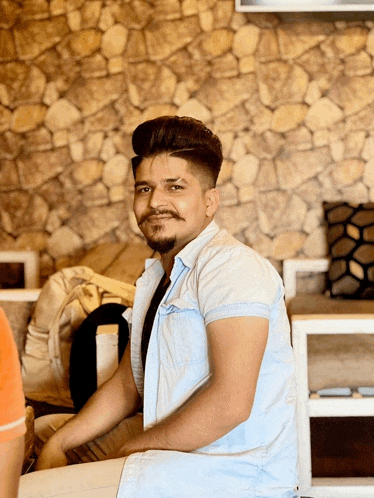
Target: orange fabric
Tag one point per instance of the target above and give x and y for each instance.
(12, 400)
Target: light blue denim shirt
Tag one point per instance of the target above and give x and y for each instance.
(213, 277)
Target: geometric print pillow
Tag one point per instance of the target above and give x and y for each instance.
(350, 238)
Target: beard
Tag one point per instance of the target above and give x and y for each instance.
(162, 246)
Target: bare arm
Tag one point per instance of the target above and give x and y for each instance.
(11, 460)
(236, 347)
(95, 419)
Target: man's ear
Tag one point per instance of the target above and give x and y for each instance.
(212, 201)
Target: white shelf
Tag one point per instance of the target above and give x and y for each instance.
(341, 407)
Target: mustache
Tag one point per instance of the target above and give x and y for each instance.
(157, 212)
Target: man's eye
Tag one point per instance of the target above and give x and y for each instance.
(143, 190)
(176, 187)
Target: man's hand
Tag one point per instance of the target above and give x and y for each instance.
(51, 456)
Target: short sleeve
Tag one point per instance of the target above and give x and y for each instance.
(12, 401)
(236, 281)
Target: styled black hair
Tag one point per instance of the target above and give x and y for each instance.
(183, 137)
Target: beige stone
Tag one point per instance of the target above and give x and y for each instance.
(94, 66)
(225, 66)
(10, 145)
(247, 193)
(181, 94)
(34, 9)
(315, 245)
(264, 146)
(287, 245)
(7, 47)
(189, 7)
(116, 170)
(223, 11)
(102, 91)
(267, 49)
(321, 69)
(354, 144)
(227, 140)
(24, 83)
(346, 42)
(236, 120)
(38, 167)
(313, 220)
(5, 119)
(60, 138)
(299, 139)
(117, 193)
(267, 176)
(87, 172)
(222, 95)
(31, 241)
(206, 20)
(108, 149)
(155, 84)
(270, 207)
(287, 117)
(368, 150)
(63, 242)
(116, 65)
(246, 40)
(293, 215)
(27, 117)
(358, 64)
(91, 13)
(106, 18)
(259, 242)
(313, 93)
(135, 50)
(297, 38)
(158, 110)
(356, 193)
(74, 19)
(194, 109)
(337, 149)
(134, 15)
(281, 83)
(228, 194)
(164, 38)
(34, 37)
(247, 64)
(114, 41)
(238, 149)
(92, 145)
(235, 219)
(368, 176)
(260, 115)
(353, 93)
(91, 223)
(245, 170)
(38, 139)
(29, 212)
(347, 172)
(105, 120)
(8, 13)
(51, 94)
(211, 44)
(323, 114)
(226, 172)
(8, 175)
(53, 221)
(61, 114)
(76, 150)
(321, 138)
(193, 72)
(57, 7)
(296, 167)
(95, 195)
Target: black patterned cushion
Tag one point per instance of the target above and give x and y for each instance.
(350, 237)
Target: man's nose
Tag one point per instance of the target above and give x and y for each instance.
(157, 198)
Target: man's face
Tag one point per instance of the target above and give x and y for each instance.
(170, 205)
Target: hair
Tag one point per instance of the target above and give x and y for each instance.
(183, 137)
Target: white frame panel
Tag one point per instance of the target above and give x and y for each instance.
(307, 6)
(291, 267)
(30, 259)
(302, 326)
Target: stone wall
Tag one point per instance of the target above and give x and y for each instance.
(293, 104)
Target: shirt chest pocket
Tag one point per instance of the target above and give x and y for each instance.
(181, 334)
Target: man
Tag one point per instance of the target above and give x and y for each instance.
(209, 358)
(12, 413)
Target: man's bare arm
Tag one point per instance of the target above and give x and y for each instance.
(236, 348)
(11, 459)
(116, 399)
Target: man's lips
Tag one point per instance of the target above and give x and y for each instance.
(154, 218)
